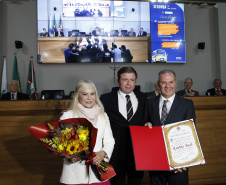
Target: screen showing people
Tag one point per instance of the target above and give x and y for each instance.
(68, 21)
(95, 50)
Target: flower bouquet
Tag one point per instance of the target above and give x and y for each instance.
(72, 137)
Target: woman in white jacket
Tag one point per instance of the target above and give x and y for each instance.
(86, 104)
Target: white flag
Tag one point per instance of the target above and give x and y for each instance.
(4, 78)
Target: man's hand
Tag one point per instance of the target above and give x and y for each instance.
(219, 93)
(148, 124)
(191, 94)
(180, 170)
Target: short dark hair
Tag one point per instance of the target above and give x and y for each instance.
(123, 47)
(105, 46)
(114, 46)
(71, 46)
(127, 69)
(166, 71)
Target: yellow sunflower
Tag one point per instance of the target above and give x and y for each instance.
(72, 148)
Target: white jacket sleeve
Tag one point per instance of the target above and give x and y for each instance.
(108, 139)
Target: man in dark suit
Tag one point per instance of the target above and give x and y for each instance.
(178, 109)
(142, 33)
(126, 54)
(59, 33)
(115, 105)
(131, 33)
(96, 32)
(156, 92)
(216, 91)
(13, 94)
(187, 91)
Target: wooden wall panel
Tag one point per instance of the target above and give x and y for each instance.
(24, 161)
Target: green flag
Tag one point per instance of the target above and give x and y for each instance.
(54, 26)
(16, 74)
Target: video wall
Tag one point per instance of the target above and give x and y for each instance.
(103, 32)
(73, 8)
(167, 33)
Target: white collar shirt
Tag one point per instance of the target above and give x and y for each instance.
(217, 89)
(168, 105)
(187, 91)
(15, 96)
(122, 103)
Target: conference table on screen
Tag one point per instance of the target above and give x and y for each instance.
(52, 49)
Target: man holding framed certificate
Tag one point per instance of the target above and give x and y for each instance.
(165, 109)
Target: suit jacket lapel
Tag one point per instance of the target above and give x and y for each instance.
(172, 110)
(156, 109)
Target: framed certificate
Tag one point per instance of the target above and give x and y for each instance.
(166, 147)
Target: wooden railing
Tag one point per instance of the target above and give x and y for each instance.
(25, 161)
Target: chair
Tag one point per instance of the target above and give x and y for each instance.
(82, 34)
(71, 94)
(52, 94)
(124, 33)
(114, 33)
(73, 33)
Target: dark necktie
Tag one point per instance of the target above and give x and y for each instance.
(164, 112)
(12, 96)
(129, 108)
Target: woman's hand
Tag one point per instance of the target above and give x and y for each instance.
(98, 158)
(148, 124)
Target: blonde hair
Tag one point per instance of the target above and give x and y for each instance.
(83, 84)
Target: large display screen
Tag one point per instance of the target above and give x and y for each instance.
(85, 31)
(167, 33)
(74, 8)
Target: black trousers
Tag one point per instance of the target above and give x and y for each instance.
(126, 173)
(162, 177)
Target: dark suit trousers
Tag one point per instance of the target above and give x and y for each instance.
(126, 168)
(162, 177)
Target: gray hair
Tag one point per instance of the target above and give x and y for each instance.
(166, 71)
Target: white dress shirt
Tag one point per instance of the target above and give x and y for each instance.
(168, 105)
(15, 96)
(122, 103)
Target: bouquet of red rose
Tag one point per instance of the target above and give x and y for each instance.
(72, 137)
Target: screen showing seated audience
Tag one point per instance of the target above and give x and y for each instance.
(78, 31)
